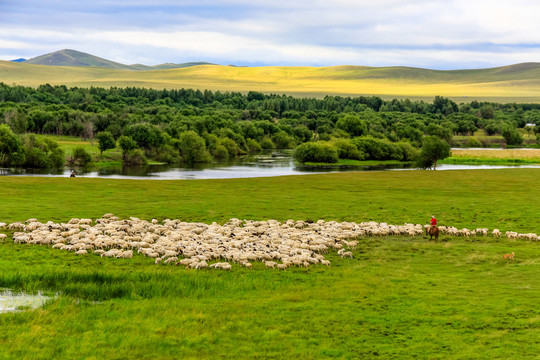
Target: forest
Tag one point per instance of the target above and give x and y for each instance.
(191, 126)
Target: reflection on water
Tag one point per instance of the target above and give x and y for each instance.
(274, 163)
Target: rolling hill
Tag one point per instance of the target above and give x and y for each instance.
(514, 83)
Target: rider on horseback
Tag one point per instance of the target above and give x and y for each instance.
(433, 230)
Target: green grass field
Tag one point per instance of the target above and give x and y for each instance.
(516, 83)
(400, 297)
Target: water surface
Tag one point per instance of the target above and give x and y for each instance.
(276, 163)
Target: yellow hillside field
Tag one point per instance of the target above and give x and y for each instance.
(510, 84)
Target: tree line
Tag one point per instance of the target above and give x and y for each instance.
(190, 126)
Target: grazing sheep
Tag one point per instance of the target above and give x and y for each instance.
(172, 259)
(496, 233)
(221, 265)
(81, 252)
(201, 265)
(3, 237)
(291, 243)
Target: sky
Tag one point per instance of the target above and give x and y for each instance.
(438, 34)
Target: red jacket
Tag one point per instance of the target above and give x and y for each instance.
(433, 221)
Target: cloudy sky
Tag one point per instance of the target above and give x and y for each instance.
(438, 34)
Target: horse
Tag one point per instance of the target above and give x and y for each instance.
(432, 231)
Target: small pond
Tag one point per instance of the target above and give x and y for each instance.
(11, 301)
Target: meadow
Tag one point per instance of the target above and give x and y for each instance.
(400, 297)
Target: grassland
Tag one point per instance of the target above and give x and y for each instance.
(399, 297)
(517, 83)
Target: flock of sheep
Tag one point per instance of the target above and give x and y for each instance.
(199, 245)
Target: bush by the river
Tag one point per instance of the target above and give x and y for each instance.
(318, 152)
(28, 151)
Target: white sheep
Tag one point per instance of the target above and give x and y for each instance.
(3, 237)
(172, 259)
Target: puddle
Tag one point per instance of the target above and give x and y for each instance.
(11, 302)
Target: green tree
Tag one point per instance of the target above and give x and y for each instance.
(433, 150)
(511, 135)
(192, 148)
(352, 125)
(127, 144)
(105, 141)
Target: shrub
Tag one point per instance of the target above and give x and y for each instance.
(325, 137)
(267, 143)
(352, 124)
(512, 136)
(220, 152)
(283, 140)
(316, 152)
(57, 158)
(373, 149)
(37, 158)
(253, 146)
(347, 150)
(473, 142)
(11, 148)
(408, 151)
(232, 147)
(192, 148)
(166, 154)
(136, 157)
(81, 156)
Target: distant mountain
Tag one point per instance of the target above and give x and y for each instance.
(19, 60)
(168, 66)
(68, 57)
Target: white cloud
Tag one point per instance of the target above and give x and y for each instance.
(435, 34)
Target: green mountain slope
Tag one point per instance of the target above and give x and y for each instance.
(68, 57)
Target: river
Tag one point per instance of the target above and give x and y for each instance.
(277, 163)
